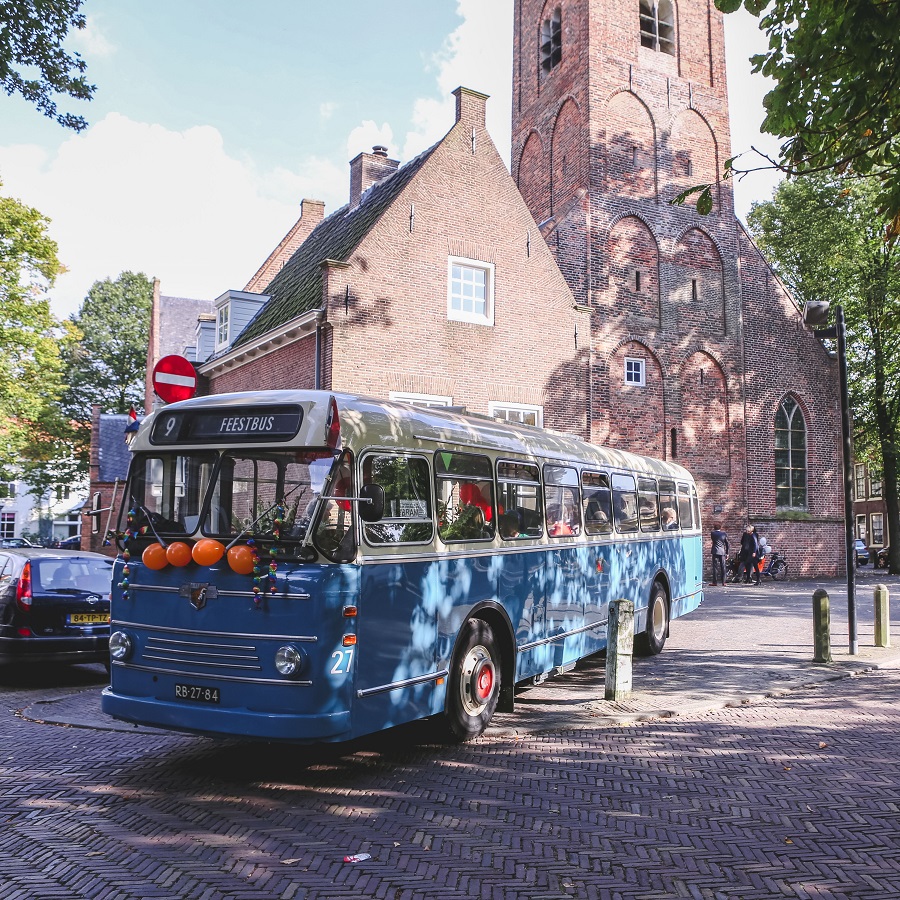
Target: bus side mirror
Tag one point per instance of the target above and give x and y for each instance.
(374, 509)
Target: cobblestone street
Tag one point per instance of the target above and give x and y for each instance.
(792, 796)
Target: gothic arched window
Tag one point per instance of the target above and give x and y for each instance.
(551, 42)
(790, 455)
(658, 25)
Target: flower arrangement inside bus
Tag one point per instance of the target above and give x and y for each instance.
(273, 497)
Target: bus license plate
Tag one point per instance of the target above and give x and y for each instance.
(89, 619)
(196, 693)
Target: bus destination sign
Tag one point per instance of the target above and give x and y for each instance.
(266, 423)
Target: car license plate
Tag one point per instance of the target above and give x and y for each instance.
(89, 619)
(196, 693)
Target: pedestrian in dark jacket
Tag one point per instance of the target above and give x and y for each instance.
(749, 556)
(719, 552)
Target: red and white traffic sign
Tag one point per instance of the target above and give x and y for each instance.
(174, 379)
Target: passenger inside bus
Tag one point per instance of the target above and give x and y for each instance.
(559, 521)
(509, 526)
(669, 518)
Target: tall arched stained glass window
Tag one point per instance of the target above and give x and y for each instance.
(790, 455)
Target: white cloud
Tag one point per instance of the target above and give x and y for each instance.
(327, 109)
(473, 56)
(90, 40)
(131, 195)
(366, 136)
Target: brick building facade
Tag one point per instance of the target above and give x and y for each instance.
(570, 293)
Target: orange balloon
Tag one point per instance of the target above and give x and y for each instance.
(240, 558)
(207, 552)
(178, 553)
(154, 557)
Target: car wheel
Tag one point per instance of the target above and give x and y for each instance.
(474, 688)
(653, 638)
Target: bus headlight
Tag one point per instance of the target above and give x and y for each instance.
(120, 645)
(289, 660)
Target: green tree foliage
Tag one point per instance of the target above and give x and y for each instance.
(30, 365)
(106, 363)
(823, 235)
(32, 33)
(835, 103)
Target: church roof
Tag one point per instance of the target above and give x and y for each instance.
(297, 288)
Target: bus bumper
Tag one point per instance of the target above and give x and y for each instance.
(230, 723)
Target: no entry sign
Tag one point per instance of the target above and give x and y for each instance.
(174, 379)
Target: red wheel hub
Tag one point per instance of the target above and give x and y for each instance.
(483, 680)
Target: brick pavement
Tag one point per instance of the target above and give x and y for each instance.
(790, 796)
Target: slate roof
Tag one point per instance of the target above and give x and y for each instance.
(297, 288)
(178, 323)
(111, 446)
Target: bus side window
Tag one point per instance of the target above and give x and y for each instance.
(519, 500)
(406, 481)
(695, 502)
(684, 505)
(625, 507)
(464, 484)
(648, 505)
(597, 496)
(562, 501)
(668, 505)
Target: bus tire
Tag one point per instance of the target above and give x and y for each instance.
(653, 638)
(474, 687)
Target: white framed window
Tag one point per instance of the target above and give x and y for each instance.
(7, 525)
(7, 490)
(861, 527)
(657, 21)
(635, 371)
(878, 529)
(222, 326)
(470, 291)
(521, 413)
(420, 399)
(860, 482)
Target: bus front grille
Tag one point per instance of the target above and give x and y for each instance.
(206, 655)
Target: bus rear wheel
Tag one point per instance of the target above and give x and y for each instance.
(653, 638)
(474, 682)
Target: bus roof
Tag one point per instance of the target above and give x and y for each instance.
(367, 421)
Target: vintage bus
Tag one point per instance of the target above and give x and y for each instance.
(312, 566)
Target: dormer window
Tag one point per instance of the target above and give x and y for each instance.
(222, 320)
(658, 26)
(551, 42)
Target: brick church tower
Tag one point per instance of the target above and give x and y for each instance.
(618, 106)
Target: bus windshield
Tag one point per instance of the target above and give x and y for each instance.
(236, 493)
(251, 485)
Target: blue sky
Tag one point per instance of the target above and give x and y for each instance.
(213, 119)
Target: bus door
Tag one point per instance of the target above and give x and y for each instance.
(596, 494)
(566, 593)
(400, 596)
(520, 567)
(625, 563)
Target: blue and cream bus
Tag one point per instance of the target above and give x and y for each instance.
(314, 566)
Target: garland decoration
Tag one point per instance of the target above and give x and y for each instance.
(257, 571)
(273, 550)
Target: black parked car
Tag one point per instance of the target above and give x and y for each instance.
(881, 557)
(54, 606)
(70, 543)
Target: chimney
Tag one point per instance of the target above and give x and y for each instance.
(312, 212)
(367, 169)
(470, 106)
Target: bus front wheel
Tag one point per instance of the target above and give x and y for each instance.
(474, 682)
(654, 636)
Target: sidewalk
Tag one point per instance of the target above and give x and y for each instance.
(743, 644)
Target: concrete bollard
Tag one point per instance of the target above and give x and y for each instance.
(619, 648)
(821, 626)
(882, 616)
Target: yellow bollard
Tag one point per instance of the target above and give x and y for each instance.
(882, 616)
(821, 627)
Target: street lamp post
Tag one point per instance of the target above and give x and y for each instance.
(815, 313)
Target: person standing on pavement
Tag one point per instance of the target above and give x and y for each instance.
(749, 556)
(719, 553)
